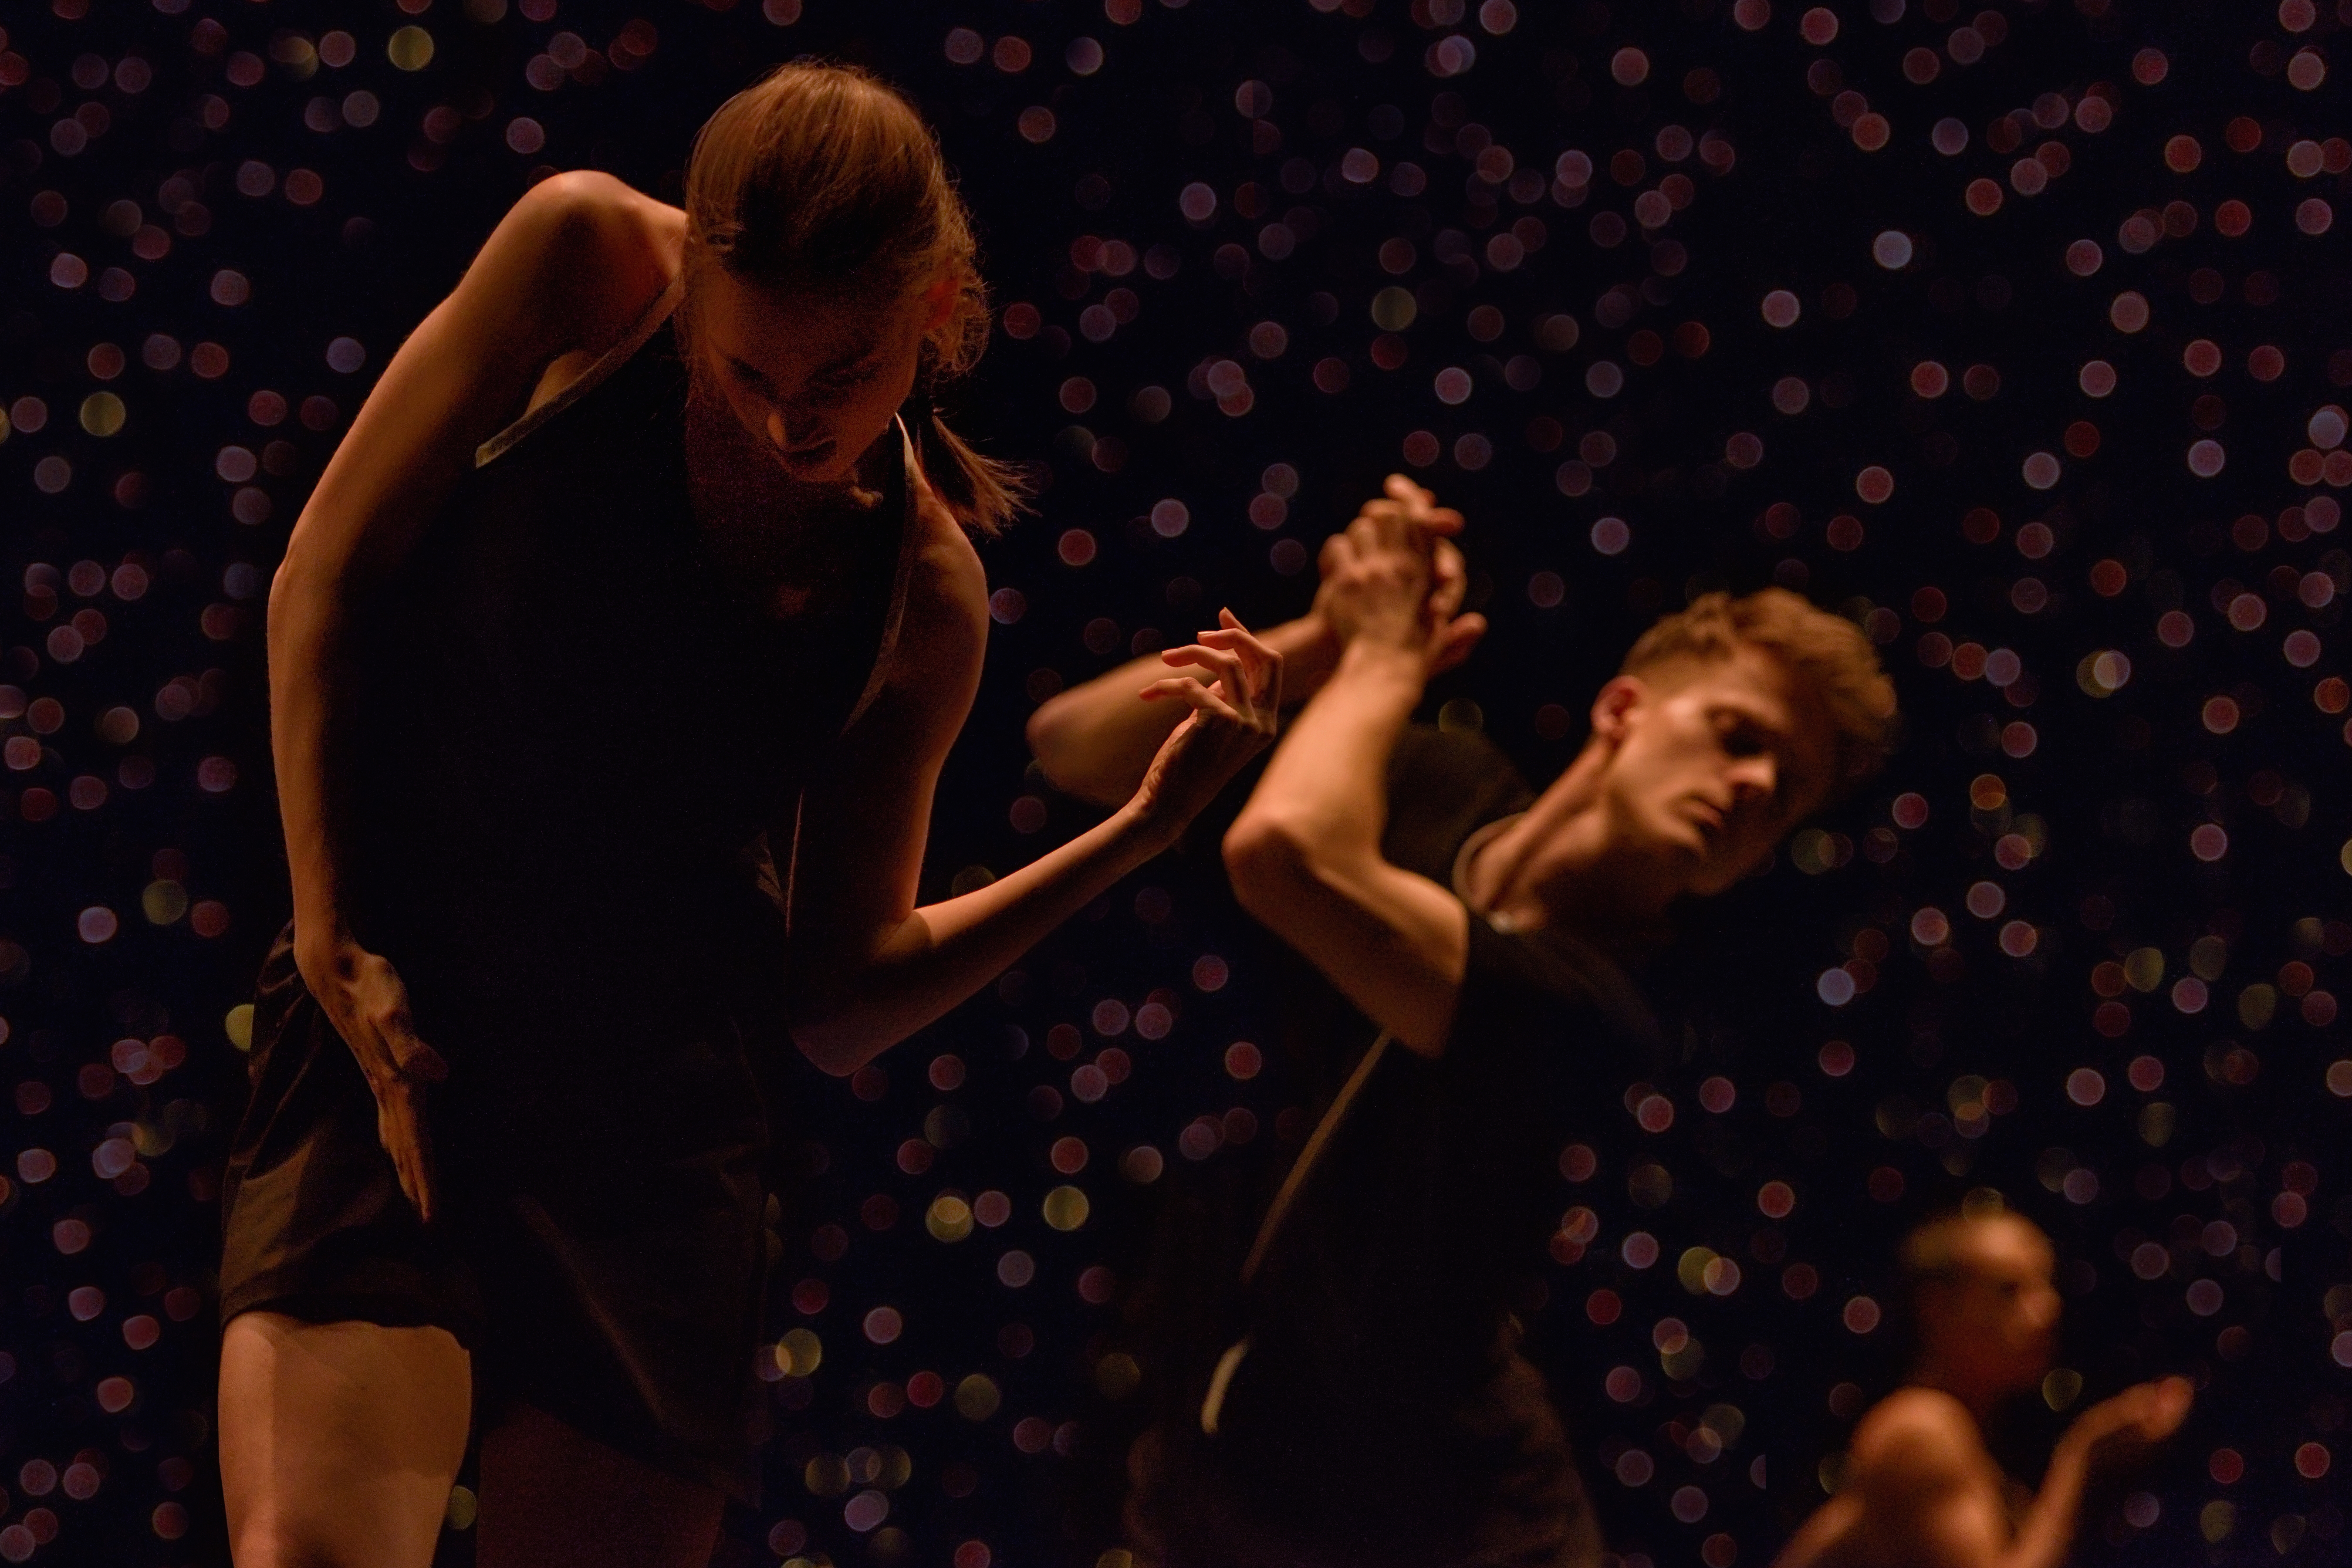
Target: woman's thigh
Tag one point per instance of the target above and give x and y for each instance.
(339, 1441)
(553, 1495)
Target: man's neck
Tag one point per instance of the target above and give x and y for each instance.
(1980, 1398)
(1556, 865)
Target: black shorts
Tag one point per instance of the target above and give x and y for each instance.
(603, 1262)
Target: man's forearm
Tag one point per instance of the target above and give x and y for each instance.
(2047, 1531)
(1097, 740)
(1327, 783)
(1306, 859)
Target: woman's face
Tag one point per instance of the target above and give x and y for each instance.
(814, 377)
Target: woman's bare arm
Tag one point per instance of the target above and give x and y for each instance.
(527, 299)
(866, 967)
(1094, 741)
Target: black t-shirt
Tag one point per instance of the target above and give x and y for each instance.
(1381, 1376)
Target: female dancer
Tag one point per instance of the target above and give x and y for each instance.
(633, 591)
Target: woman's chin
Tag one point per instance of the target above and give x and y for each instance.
(818, 466)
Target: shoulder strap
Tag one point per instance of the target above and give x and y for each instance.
(1220, 1380)
(1280, 1209)
(648, 323)
(909, 546)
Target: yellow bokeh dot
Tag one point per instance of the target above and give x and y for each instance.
(950, 1218)
(102, 414)
(799, 1354)
(165, 902)
(1066, 1208)
(462, 1509)
(1118, 1375)
(1393, 310)
(6, 430)
(411, 49)
(239, 1025)
(2061, 1387)
(1692, 1269)
(976, 1398)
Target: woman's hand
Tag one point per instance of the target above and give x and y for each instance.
(1232, 719)
(363, 997)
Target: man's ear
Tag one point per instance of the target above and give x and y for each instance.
(1614, 708)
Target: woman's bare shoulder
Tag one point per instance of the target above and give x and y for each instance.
(947, 591)
(592, 251)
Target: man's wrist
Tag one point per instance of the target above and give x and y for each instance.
(1307, 638)
(1376, 657)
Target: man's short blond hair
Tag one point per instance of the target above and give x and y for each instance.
(1834, 663)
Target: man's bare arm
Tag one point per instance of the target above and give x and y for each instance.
(1095, 741)
(1928, 1494)
(1305, 855)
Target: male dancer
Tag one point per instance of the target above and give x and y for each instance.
(1919, 1487)
(1373, 1409)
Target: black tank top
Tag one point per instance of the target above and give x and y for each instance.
(577, 729)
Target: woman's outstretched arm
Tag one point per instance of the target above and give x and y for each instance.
(1094, 741)
(463, 372)
(866, 967)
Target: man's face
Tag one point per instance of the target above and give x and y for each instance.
(1715, 760)
(1997, 1315)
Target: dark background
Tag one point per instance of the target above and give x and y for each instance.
(196, 174)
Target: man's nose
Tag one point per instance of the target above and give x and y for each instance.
(1755, 778)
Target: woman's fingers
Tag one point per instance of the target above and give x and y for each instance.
(400, 1128)
(1207, 702)
(1261, 665)
(1223, 662)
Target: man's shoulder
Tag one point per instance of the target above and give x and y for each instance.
(1918, 1433)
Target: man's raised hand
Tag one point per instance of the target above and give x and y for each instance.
(1395, 577)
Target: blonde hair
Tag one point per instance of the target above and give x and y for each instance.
(1833, 661)
(822, 178)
